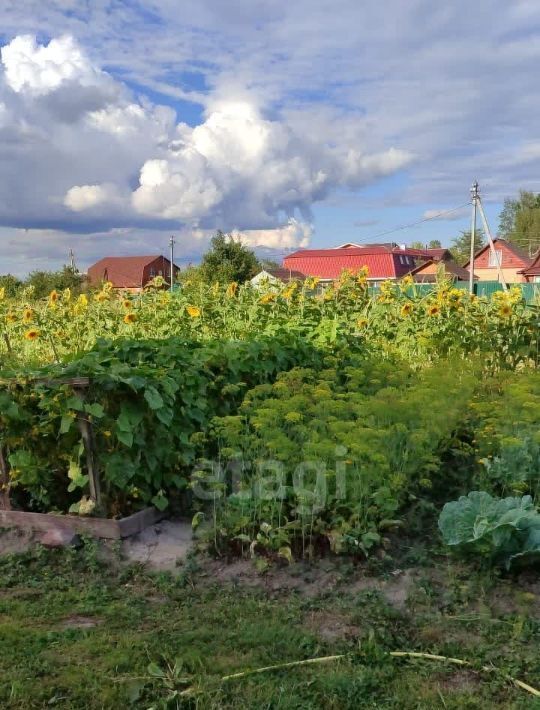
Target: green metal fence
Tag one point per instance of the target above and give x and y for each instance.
(531, 291)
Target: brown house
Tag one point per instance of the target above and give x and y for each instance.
(131, 273)
(427, 272)
(532, 272)
(511, 259)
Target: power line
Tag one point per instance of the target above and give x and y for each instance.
(413, 224)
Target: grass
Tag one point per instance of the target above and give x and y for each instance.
(79, 632)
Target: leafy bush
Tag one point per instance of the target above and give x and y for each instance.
(507, 424)
(504, 530)
(149, 401)
(330, 458)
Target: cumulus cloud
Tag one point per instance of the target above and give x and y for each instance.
(291, 235)
(239, 168)
(85, 152)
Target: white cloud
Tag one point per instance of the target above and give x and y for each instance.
(39, 70)
(446, 215)
(85, 152)
(239, 168)
(293, 234)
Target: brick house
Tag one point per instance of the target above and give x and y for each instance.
(131, 273)
(511, 259)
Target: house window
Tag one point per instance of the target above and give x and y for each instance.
(495, 258)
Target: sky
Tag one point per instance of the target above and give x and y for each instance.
(289, 124)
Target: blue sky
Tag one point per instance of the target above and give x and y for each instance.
(291, 124)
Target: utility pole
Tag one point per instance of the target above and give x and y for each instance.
(492, 245)
(172, 243)
(72, 264)
(475, 198)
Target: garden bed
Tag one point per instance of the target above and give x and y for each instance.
(96, 527)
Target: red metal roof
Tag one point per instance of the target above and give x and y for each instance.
(381, 262)
(126, 271)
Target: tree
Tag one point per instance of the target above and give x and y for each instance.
(228, 260)
(11, 285)
(519, 221)
(433, 244)
(461, 246)
(46, 281)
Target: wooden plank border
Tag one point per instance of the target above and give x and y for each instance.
(96, 527)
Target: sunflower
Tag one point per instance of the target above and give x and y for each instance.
(11, 318)
(127, 304)
(101, 296)
(505, 310)
(130, 318)
(193, 311)
(28, 315)
(53, 296)
(31, 334)
(2, 293)
(268, 298)
(407, 309)
(434, 310)
(362, 322)
(232, 288)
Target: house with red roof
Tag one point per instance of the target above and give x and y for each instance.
(430, 270)
(507, 257)
(131, 273)
(383, 262)
(531, 273)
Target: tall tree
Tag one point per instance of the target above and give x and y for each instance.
(228, 260)
(461, 246)
(519, 221)
(11, 284)
(435, 244)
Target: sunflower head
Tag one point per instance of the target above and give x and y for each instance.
(11, 317)
(128, 305)
(130, 318)
(31, 334)
(362, 322)
(232, 288)
(268, 298)
(434, 310)
(193, 311)
(406, 309)
(505, 310)
(53, 296)
(28, 315)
